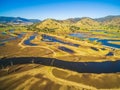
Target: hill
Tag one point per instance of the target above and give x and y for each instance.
(107, 18)
(52, 25)
(113, 22)
(74, 20)
(87, 23)
(110, 22)
(17, 20)
(49, 23)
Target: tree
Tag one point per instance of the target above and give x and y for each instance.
(74, 28)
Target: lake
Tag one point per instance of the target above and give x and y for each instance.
(2, 42)
(105, 42)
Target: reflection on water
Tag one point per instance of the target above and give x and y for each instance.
(103, 41)
(2, 42)
(79, 35)
(28, 41)
(82, 67)
(53, 39)
(106, 43)
(65, 49)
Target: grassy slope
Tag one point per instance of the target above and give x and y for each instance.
(36, 77)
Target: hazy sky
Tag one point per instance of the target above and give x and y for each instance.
(59, 9)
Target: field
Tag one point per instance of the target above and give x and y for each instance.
(59, 44)
(46, 74)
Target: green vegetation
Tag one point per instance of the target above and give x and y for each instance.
(74, 28)
(5, 28)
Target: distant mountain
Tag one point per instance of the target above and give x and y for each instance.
(107, 18)
(73, 19)
(113, 22)
(17, 20)
(34, 20)
(109, 22)
(65, 22)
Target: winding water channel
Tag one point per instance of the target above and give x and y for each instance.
(53, 39)
(82, 67)
(28, 41)
(105, 42)
(2, 42)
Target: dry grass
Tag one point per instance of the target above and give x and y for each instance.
(115, 42)
(39, 77)
(85, 52)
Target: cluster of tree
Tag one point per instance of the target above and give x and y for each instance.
(74, 28)
(47, 30)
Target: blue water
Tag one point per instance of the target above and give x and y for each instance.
(103, 41)
(81, 67)
(11, 30)
(106, 43)
(79, 35)
(27, 42)
(47, 38)
(65, 49)
(3, 33)
(53, 39)
(2, 42)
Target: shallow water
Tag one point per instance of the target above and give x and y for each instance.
(65, 49)
(53, 39)
(27, 42)
(103, 41)
(2, 42)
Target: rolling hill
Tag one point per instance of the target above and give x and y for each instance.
(108, 22)
(87, 23)
(17, 20)
(53, 25)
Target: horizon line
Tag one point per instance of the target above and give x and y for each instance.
(60, 19)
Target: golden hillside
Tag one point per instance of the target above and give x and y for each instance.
(113, 22)
(54, 25)
(49, 23)
(87, 23)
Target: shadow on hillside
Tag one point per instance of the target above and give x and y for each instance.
(82, 67)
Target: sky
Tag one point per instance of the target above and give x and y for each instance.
(59, 9)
